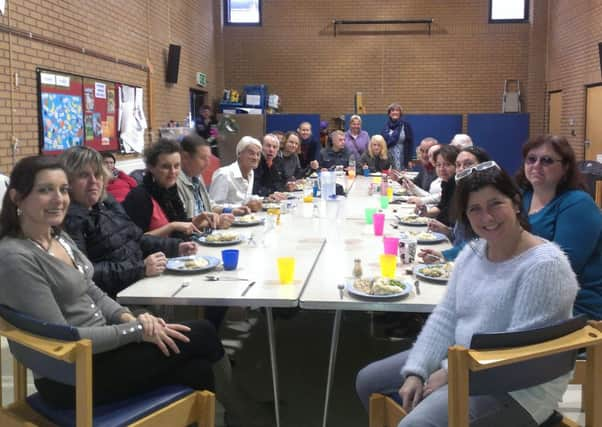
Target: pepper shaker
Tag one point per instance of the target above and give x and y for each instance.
(357, 268)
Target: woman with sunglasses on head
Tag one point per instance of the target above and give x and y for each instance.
(467, 159)
(51, 280)
(559, 210)
(506, 279)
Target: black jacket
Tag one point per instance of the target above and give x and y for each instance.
(114, 244)
(267, 180)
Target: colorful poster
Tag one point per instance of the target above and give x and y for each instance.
(63, 121)
(89, 97)
(100, 90)
(89, 128)
(97, 125)
(111, 101)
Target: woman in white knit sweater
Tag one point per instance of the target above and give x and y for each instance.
(507, 280)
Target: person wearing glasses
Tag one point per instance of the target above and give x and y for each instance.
(506, 279)
(468, 158)
(560, 211)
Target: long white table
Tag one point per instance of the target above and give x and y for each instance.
(324, 241)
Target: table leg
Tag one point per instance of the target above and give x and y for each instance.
(336, 328)
(272, 341)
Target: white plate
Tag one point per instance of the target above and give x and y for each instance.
(418, 274)
(356, 292)
(178, 264)
(256, 221)
(413, 224)
(203, 241)
(438, 239)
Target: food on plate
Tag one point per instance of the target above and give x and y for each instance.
(379, 286)
(247, 218)
(267, 206)
(414, 219)
(437, 271)
(221, 237)
(426, 235)
(194, 263)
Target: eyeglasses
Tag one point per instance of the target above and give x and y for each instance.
(543, 160)
(480, 167)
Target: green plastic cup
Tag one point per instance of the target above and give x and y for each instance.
(369, 212)
(384, 202)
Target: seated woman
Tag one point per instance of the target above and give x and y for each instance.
(120, 251)
(467, 158)
(233, 184)
(507, 280)
(561, 212)
(445, 165)
(51, 279)
(119, 183)
(376, 158)
(420, 196)
(290, 157)
(155, 206)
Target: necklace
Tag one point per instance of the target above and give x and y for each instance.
(41, 246)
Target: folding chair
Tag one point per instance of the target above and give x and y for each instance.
(510, 361)
(57, 352)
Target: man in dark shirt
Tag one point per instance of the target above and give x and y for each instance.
(270, 179)
(337, 155)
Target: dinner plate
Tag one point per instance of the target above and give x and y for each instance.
(256, 221)
(267, 206)
(438, 239)
(357, 293)
(375, 174)
(412, 224)
(418, 274)
(178, 265)
(203, 241)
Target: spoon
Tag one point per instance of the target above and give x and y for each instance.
(341, 287)
(212, 278)
(182, 286)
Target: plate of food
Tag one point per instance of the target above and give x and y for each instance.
(247, 220)
(378, 288)
(267, 206)
(428, 237)
(192, 263)
(223, 238)
(414, 220)
(434, 272)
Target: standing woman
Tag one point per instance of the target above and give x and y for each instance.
(356, 139)
(376, 158)
(506, 280)
(561, 212)
(399, 137)
(51, 280)
(155, 205)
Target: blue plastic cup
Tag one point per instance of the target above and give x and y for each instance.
(367, 172)
(230, 259)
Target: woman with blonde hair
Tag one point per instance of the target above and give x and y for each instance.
(376, 158)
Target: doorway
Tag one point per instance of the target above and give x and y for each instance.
(555, 109)
(593, 124)
(197, 100)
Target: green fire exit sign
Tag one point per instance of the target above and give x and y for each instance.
(201, 79)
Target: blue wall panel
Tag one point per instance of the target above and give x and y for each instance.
(286, 122)
(502, 135)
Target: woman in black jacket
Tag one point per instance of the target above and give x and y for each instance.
(120, 251)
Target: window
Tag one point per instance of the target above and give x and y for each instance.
(242, 12)
(508, 11)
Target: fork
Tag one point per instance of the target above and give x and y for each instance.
(417, 287)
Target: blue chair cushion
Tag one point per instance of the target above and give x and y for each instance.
(114, 414)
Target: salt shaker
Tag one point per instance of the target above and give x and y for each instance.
(357, 268)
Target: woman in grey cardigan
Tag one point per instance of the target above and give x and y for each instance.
(51, 279)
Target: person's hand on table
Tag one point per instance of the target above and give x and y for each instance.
(396, 175)
(255, 205)
(241, 210)
(183, 227)
(435, 381)
(414, 200)
(314, 164)
(225, 220)
(420, 208)
(439, 227)
(163, 335)
(411, 392)
(277, 196)
(291, 186)
(430, 256)
(187, 248)
(206, 220)
(154, 264)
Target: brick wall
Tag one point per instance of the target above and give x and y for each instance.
(460, 68)
(132, 30)
(575, 29)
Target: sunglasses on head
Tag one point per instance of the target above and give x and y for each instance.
(480, 167)
(543, 160)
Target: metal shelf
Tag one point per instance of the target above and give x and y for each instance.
(427, 22)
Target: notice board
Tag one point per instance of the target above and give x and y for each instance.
(100, 114)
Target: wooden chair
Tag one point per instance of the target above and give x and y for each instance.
(56, 352)
(537, 356)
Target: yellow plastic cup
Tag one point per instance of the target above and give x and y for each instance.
(286, 269)
(387, 265)
(376, 180)
(390, 193)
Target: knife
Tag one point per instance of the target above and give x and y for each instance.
(247, 289)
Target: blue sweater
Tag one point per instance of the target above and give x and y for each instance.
(574, 222)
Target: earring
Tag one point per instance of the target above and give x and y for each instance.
(19, 212)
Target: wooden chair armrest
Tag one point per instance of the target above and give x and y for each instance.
(60, 350)
(486, 359)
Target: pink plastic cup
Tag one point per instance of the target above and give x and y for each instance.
(378, 220)
(391, 245)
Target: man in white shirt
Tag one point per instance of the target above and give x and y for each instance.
(3, 188)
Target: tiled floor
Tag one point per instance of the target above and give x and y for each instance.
(303, 340)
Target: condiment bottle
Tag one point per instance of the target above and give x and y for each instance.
(357, 268)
